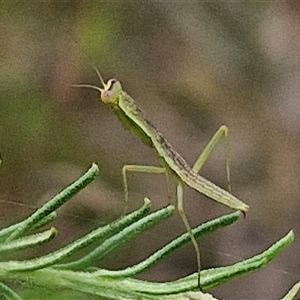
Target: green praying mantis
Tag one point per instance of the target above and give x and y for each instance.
(172, 163)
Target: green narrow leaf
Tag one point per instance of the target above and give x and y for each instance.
(212, 277)
(8, 230)
(56, 202)
(119, 239)
(184, 239)
(29, 241)
(8, 293)
(57, 256)
(292, 293)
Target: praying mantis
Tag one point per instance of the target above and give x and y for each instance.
(172, 163)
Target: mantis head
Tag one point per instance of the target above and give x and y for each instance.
(109, 94)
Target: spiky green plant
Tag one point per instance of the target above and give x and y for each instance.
(51, 273)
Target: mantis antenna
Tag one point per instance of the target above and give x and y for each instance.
(100, 77)
(93, 86)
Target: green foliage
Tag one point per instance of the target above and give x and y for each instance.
(50, 272)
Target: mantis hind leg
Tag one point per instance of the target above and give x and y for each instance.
(221, 132)
(140, 169)
(188, 227)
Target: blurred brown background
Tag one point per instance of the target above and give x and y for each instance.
(191, 66)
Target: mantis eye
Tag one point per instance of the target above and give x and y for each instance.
(106, 96)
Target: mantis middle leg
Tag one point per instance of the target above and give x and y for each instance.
(221, 132)
(142, 169)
